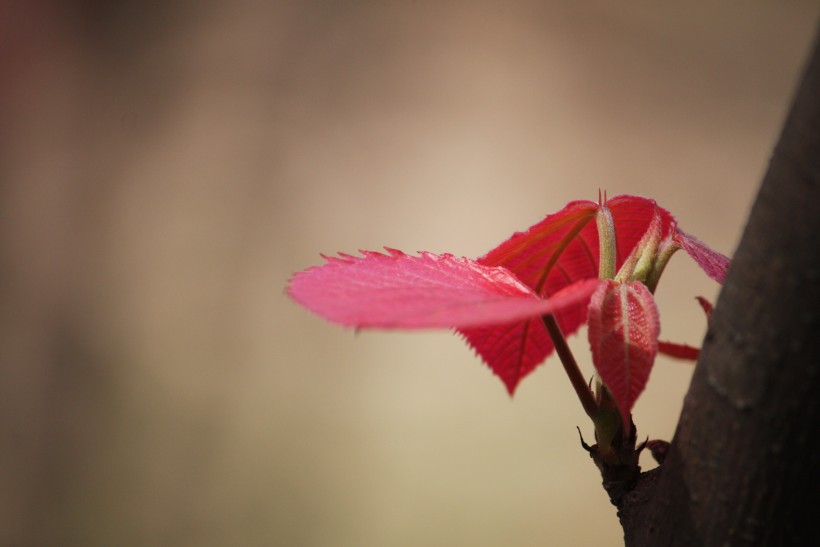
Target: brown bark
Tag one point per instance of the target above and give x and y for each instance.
(744, 465)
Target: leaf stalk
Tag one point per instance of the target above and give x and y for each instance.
(570, 366)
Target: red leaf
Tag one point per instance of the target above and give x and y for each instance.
(707, 307)
(710, 261)
(633, 216)
(533, 255)
(398, 290)
(679, 351)
(623, 336)
(563, 248)
(639, 262)
(511, 351)
(685, 351)
(558, 251)
(496, 301)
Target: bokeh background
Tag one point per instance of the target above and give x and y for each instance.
(166, 166)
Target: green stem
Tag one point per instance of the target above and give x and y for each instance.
(570, 366)
(606, 242)
(665, 252)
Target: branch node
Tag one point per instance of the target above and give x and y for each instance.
(659, 449)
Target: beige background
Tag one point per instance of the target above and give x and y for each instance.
(164, 168)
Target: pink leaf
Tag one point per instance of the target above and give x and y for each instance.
(710, 261)
(679, 351)
(398, 290)
(623, 337)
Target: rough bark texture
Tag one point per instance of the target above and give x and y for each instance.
(744, 466)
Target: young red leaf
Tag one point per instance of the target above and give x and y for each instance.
(398, 290)
(563, 248)
(679, 351)
(511, 351)
(623, 337)
(685, 351)
(707, 307)
(638, 264)
(495, 301)
(710, 261)
(633, 216)
(533, 255)
(558, 251)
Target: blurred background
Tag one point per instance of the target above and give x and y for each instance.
(166, 166)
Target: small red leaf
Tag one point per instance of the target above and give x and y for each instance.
(552, 254)
(511, 351)
(679, 351)
(563, 248)
(707, 307)
(398, 290)
(623, 337)
(710, 261)
(534, 255)
(639, 262)
(685, 351)
(633, 216)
